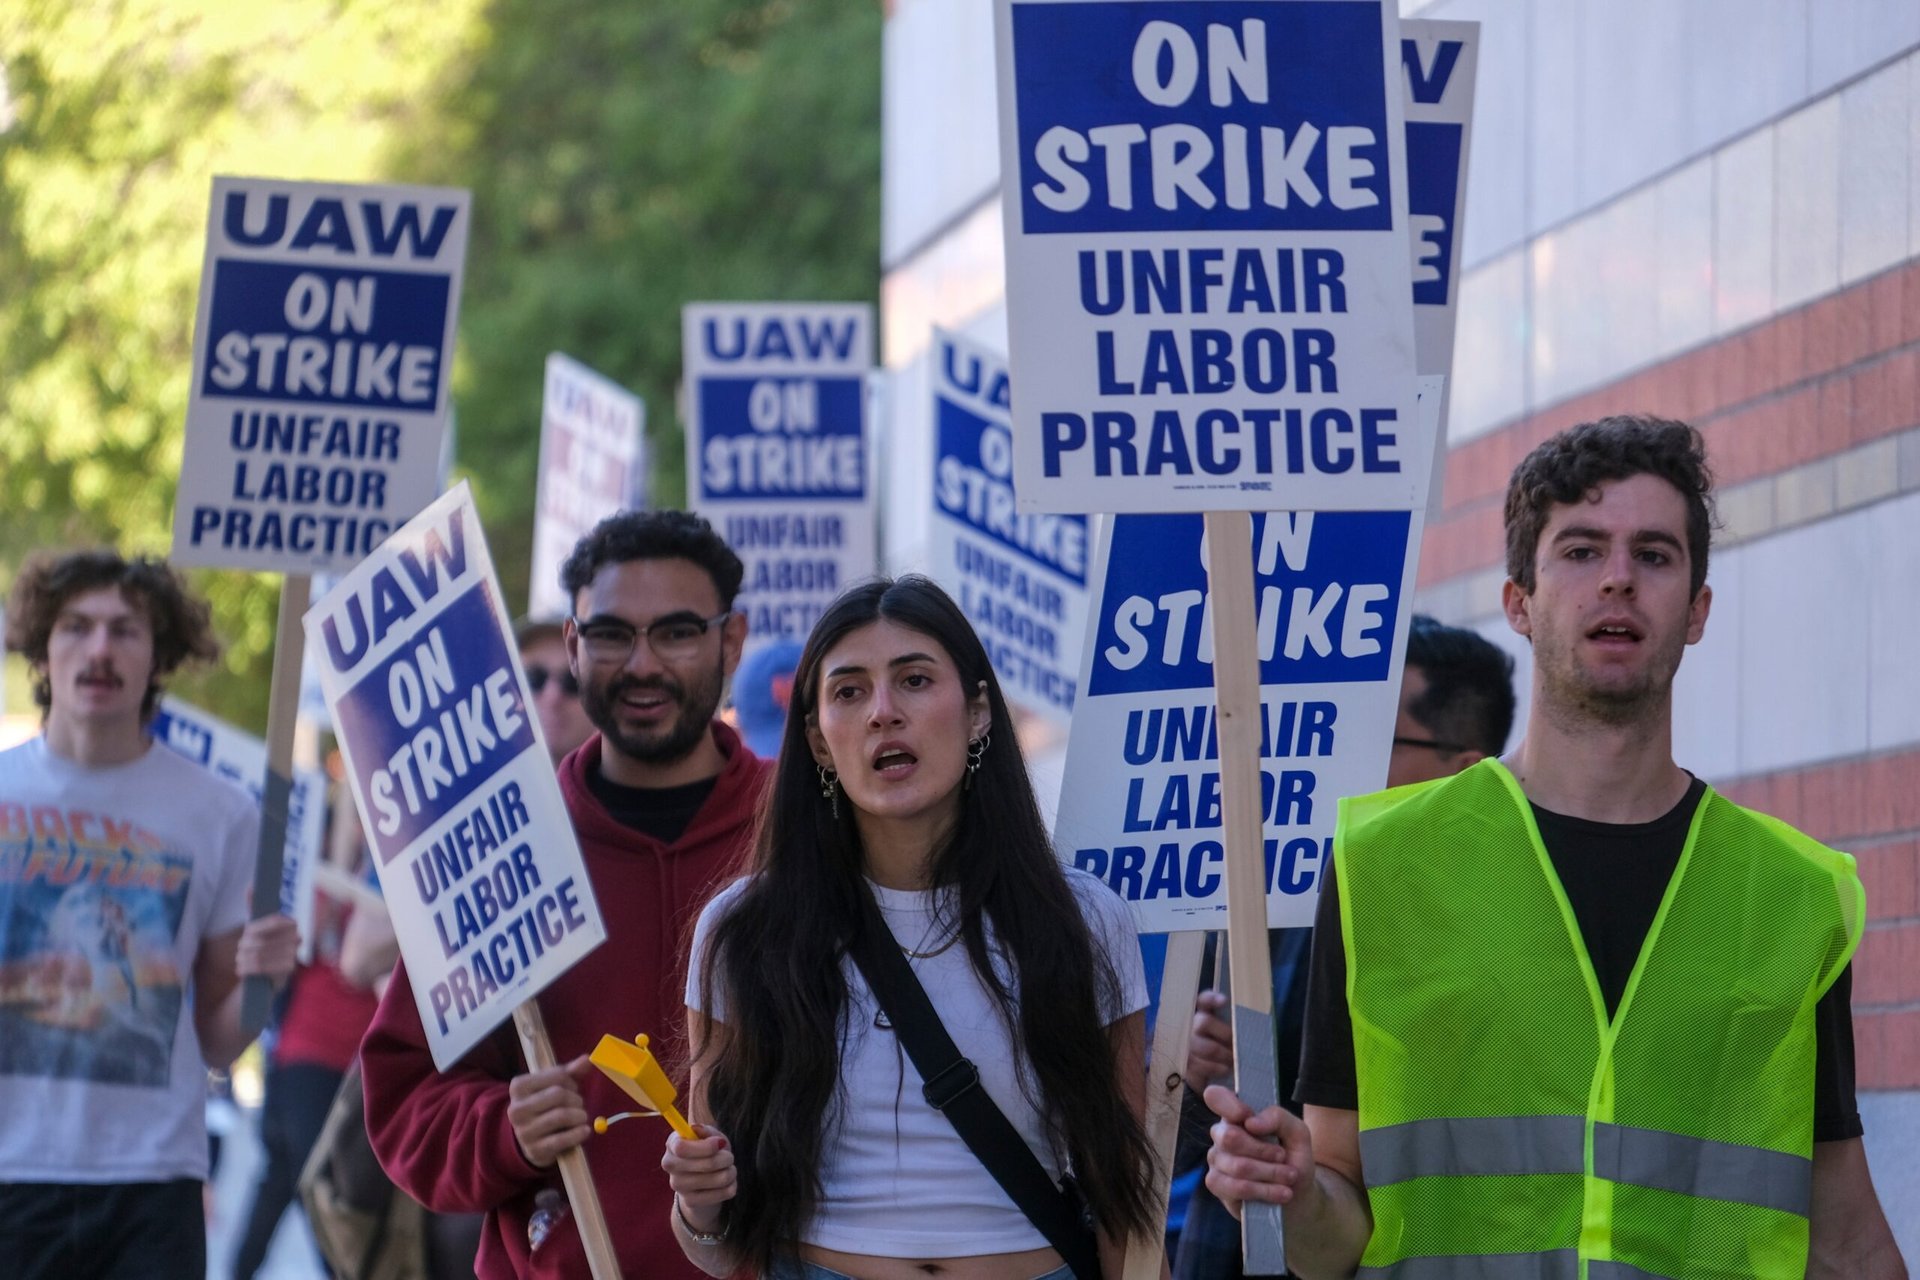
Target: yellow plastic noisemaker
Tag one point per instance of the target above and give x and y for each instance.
(634, 1068)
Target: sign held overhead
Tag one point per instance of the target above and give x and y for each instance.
(1208, 277)
(321, 352)
(778, 450)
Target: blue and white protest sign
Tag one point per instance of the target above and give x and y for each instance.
(239, 757)
(592, 464)
(1438, 64)
(1207, 255)
(320, 367)
(778, 450)
(476, 856)
(1020, 576)
(1140, 802)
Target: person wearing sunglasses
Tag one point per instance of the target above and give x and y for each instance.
(556, 692)
(663, 800)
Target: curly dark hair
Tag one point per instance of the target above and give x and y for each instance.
(181, 621)
(653, 535)
(1570, 466)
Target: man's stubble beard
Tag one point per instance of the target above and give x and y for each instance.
(1573, 699)
(695, 704)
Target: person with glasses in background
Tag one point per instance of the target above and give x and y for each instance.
(555, 689)
(663, 800)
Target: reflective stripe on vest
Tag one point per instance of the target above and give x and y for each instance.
(1559, 1264)
(1456, 1147)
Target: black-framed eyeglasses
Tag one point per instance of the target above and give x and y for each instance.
(538, 677)
(1445, 748)
(676, 636)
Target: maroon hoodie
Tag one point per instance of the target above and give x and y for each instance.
(445, 1138)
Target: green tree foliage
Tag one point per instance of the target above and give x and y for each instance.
(624, 159)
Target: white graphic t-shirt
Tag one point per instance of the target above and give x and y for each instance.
(109, 880)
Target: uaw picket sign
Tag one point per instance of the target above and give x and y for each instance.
(1207, 255)
(1438, 63)
(1141, 799)
(1020, 576)
(592, 464)
(320, 361)
(476, 855)
(778, 450)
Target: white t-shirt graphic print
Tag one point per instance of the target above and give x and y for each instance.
(110, 878)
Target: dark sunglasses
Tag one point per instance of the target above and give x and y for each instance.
(538, 676)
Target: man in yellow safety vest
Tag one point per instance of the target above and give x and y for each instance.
(1572, 1013)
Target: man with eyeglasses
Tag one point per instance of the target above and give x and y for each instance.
(556, 692)
(1456, 709)
(662, 799)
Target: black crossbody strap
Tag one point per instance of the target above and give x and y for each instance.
(953, 1089)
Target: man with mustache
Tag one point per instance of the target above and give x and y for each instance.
(1571, 1012)
(124, 872)
(663, 799)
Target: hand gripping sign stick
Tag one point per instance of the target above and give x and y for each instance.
(1236, 682)
(283, 709)
(1166, 1078)
(574, 1173)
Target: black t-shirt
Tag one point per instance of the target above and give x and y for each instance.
(660, 812)
(1615, 876)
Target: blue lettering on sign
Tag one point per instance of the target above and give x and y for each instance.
(361, 227)
(1202, 116)
(394, 592)
(973, 483)
(1326, 592)
(1172, 869)
(506, 920)
(191, 740)
(782, 438)
(434, 722)
(311, 334)
(1427, 83)
(1433, 180)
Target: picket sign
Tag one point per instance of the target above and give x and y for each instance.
(303, 463)
(479, 866)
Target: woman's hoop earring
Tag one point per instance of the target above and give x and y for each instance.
(830, 786)
(976, 749)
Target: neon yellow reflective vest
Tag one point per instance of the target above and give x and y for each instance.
(1508, 1129)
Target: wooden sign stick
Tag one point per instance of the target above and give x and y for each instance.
(574, 1173)
(1236, 683)
(276, 792)
(1166, 1078)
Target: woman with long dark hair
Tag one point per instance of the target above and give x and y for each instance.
(900, 781)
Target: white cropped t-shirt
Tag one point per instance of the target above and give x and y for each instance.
(897, 1180)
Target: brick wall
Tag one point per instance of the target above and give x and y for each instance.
(1775, 400)
(1807, 384)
